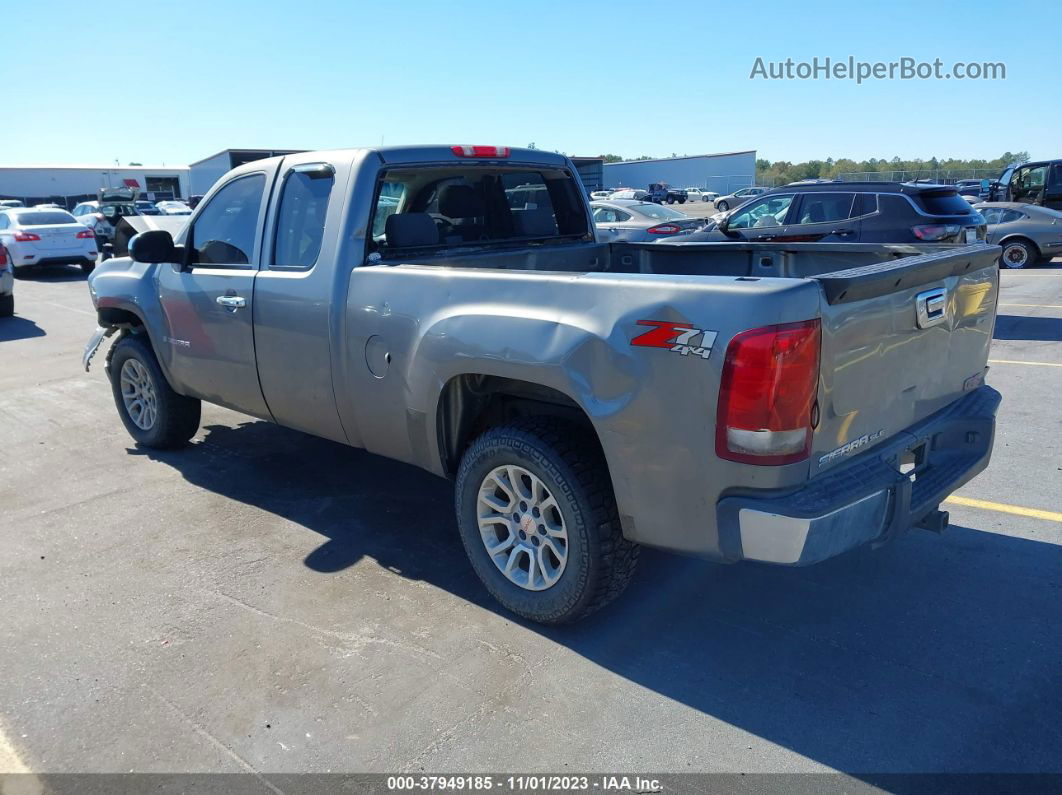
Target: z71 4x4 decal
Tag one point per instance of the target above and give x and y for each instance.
(676, 337)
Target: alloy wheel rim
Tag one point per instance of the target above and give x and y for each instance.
(522, 527)
(138, 394)
(1015, 256)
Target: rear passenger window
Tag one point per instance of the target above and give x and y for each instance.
(301, 216)
(820, 208)
(1009, 216)
(226, 227)
(864, 204)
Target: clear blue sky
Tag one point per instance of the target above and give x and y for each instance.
(174, 82)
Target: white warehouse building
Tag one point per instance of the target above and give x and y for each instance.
(68, 185)
(723, 173)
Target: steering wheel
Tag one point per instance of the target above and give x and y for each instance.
(444, 225)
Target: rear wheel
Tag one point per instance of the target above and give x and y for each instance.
(88, 267)
(151, 411)
(1018, 254)
(7, 305)
(538, 520)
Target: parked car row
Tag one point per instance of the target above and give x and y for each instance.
(658, 192)
(101, 215)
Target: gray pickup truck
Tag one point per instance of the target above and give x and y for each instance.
(450, 307)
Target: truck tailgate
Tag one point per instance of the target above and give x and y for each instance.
(900, 340)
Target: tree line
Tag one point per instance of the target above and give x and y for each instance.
(781, 172)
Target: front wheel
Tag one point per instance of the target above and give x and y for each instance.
(722, 206)
(151, 411)
(681, 200)
(538, 520)
(1018, 254)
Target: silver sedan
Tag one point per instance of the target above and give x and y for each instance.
(1028, 233)
(639, 221)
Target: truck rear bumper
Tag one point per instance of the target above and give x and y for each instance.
(867, 499)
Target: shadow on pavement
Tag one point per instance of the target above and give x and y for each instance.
(50, 273)
(1023, 327)
(19, 328)
(930, 654)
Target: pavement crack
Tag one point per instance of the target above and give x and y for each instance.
(205, 733)
(355, 640)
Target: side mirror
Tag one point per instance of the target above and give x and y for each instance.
(153, 246)
(723, 225)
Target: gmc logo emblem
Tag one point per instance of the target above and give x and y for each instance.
(676, 337)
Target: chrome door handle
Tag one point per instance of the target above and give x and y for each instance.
(232, 301)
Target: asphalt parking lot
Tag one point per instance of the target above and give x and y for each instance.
(264, 601)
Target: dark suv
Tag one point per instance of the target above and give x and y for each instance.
(852, 212)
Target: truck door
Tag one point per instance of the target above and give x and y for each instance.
(293, 294)
(1027, 184)
(823, 217)
(209, 342)
(1053, 192)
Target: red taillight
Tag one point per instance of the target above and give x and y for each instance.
(664, 229)
(86, 234)
(3, 257)
(480, 151)
(26, 237)
(931, 232)
(767, 395)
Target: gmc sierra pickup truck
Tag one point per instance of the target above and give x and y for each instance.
(450, 307)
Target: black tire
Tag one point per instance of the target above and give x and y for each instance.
(177, 416)
(670, 199)
(7, 305)
(723, 206)
(570, 464)
(88, 267)
(681, 200)
(1018, 254)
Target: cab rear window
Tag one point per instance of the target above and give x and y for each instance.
(448, 207)
(943, 202)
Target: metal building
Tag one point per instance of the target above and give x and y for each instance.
(591, 172)
(723, 172)
(68, 185)
(205, 172)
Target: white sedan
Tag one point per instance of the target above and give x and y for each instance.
(172, 207)
(46, 237)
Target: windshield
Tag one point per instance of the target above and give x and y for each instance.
(657, 212)
(45, 218)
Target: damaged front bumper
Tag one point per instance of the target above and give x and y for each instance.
(94, 343)
(872, 498)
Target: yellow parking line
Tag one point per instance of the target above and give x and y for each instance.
(1002, 507)
(1037, 306)
(1013, 361)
